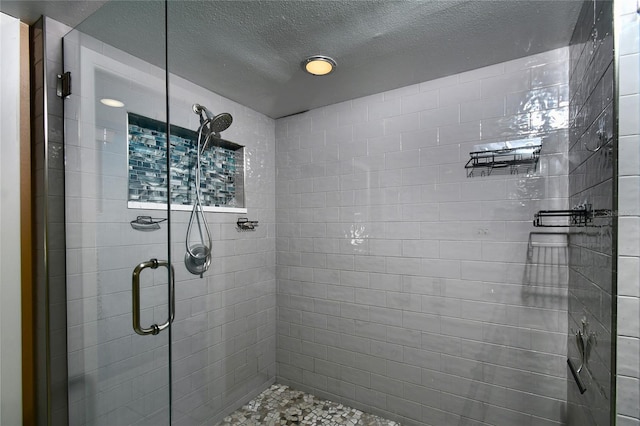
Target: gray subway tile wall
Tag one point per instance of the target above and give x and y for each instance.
(406, 288)
(234, 307)
(628, 298)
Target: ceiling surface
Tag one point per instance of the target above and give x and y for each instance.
(250, 51)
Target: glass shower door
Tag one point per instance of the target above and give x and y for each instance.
(119, 274)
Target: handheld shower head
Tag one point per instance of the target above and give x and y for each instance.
(214, 124)
(221, 122)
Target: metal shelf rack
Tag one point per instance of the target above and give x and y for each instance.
(580, 216)
(514, 160)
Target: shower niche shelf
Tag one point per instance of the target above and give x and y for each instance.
(580, 216)
(514, 157)
(222, 180)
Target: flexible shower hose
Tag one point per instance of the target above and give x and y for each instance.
(198, 210)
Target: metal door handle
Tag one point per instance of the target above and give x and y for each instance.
(155, 328)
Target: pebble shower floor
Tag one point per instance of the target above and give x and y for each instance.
(281, 405)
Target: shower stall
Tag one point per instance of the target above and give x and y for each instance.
(383, 274)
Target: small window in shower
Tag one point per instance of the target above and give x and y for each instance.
(222, 165)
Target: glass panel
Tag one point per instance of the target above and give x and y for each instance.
(592, 248)
(116, 375)
(223, 340)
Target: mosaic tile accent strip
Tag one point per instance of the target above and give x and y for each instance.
(222, 165)
(281, 405)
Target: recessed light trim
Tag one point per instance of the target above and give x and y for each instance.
(319, 65)
(114, 103)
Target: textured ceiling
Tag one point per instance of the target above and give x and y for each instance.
(250, 51)
(70, 12)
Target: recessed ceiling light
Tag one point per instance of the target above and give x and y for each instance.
(319, 65)
(112, 103)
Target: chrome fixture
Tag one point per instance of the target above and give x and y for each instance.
(214, 124)
(197, 259)
(319, 65)
(585, 341)
(576, 376)
(155, 328)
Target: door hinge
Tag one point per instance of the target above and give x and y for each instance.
(63, 87)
